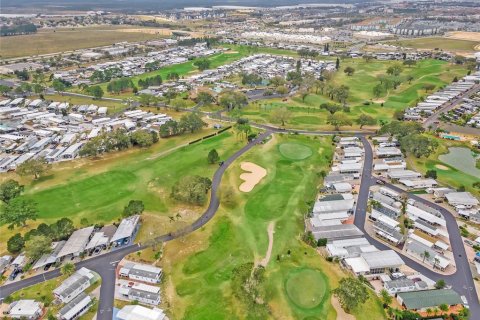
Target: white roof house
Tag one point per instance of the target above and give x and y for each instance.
(140, 313)
(342, 187)
(342, 205)
(28, 309)
(414, 213)
(461, 199)
(403, 174)
(98, 239)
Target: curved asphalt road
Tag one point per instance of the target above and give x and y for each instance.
(462, 280)
(105, 264)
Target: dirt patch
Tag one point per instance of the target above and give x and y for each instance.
(166, 32)
(252, 177)
(341, 314)
(230, 52)
(441, 167)
(463, 35)
(379, 101)
(268, 255)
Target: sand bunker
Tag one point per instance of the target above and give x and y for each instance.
(252, 177)
(441, 167)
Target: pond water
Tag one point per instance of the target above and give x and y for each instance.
(462, 159)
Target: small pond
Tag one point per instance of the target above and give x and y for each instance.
(462, 159)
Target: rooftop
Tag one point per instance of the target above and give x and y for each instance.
(429, 298)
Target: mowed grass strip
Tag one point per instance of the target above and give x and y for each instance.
(437, 43)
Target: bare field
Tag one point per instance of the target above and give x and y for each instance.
(463, 35)
(67, 39)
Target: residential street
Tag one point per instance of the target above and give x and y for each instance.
(105, 264)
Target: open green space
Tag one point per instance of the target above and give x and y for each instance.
(98, 190)
(437, 43)
(67, 39)
(446, 173)
(306, 114)
(201, 269)
(295, 151)
(306, 288)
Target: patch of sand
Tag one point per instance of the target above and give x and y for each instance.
(441, 167)
(341, 314)
(463, 35)
(252, 177)
(230, 52)
(270, 231)
(166, 32)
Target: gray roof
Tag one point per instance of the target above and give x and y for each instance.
(79, 302)
(400, 283)
(72, 283)
(126, 228)
(415, 300)
(77, 242)
(337, 232)
(382, 259)
(143, 294)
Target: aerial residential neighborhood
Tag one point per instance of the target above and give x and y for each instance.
(239, 160)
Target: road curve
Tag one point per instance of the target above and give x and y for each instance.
(462, 280)
(105, 264)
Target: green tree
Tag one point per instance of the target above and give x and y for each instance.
(351, 292)
(338, 120)
(96, 92)
(377, 90)
(35, 167)
(349, 71)
(331, 107)
(146, 99)
(431, 174)
(213, 156)
(366, 120)
(67, 269)
(440, 284)
(191, 189)
(395, 69)
(204, 98)
(10, 189)
(428, 87)
(58, 85)
(133, 207)
(232, 99)
(17, 212)
(322, 242)
(444, 307)
(281, 115)
(386, 297)
(418, 145)
(425, 255)
(179, 104)
(62, 229)
(202, 64)
(37, 246)
(15, 244)
(142, 138)
(191, 122)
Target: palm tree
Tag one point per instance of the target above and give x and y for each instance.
(68, 269)
(425, 255)
(429, 311)
(172, 218)
(444, 307)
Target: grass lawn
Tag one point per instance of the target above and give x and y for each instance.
(67, 39)
(446, 174)
(307, 114)
(99, 189)
(297, 283)
(437, 42)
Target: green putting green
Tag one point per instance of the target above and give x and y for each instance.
(295, 151)
(306, 288)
